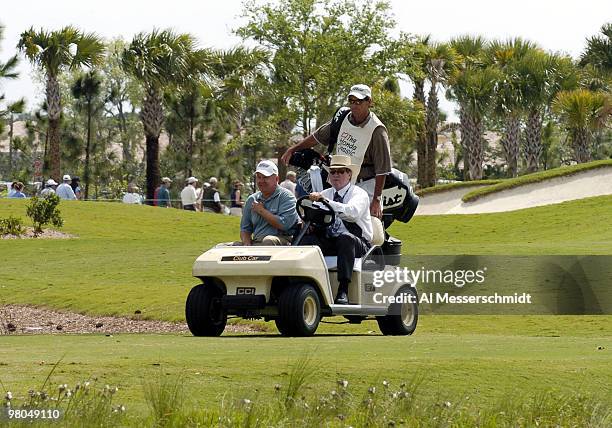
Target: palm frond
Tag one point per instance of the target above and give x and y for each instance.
(162, 58)
(90, 51)
(68, 47)
(17, 106)
(583, 109)
(8, 70)
(598, 51)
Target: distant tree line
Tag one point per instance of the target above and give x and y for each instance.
(108, 102)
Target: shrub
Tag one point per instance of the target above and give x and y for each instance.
(11, 226)
(44, 211)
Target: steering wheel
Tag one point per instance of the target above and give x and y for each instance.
(313, 213)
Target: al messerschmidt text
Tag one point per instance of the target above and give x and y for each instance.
(524, 298)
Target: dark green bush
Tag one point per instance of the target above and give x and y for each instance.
(44, 211)
(11, 226)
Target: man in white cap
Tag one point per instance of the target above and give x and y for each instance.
(49, 188)
(351, 234)
(357, 132)
(64, 190)
(189, 197)
(269, 215)
(211, 201)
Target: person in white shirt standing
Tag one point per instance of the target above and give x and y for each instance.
(189, 197)
(49, 188)
(64, 190)
(351, 234)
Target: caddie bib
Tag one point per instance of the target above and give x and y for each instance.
(354, 140)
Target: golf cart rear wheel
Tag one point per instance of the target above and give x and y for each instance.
(205, 316)
(403, 317)
(299, 311)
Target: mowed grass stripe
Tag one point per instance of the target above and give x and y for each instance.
(129, 258)
(570, 228)
(482, 366)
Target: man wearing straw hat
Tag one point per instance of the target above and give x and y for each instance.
(351, 234)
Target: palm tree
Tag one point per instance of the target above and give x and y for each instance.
(543, 76)
(53, 52)
(509, 99)
(582, 112)
(159, 60)
(8, 71)
(596, 61)
(239, 71)
(87, 89)
(472, 85)
(598, 52)
(413, 57)
(474, 90)
(534, 70)
(440, 64)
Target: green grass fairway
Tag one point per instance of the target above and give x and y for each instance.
(129, 258)
(570, 228)
(485, 367)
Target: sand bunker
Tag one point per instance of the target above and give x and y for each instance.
(443, 202)
(595, 182)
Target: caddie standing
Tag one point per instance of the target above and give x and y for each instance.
(357, 132)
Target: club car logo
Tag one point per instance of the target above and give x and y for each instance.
(245, 290)
(245, 258)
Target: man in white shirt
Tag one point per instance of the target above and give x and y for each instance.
(351, 234)
(49, 188)
(289, 182)
(132, 196)
(189, 197)
(64, 190)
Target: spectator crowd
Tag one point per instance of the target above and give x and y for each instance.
(194, 196)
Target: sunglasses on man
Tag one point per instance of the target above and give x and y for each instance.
(339, 171)
(357, 101)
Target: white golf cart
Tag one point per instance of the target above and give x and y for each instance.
(295, 285)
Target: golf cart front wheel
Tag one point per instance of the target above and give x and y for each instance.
(402, 317)
(299, 311)
(205, 316)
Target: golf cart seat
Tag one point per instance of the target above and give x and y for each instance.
(378, 239)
